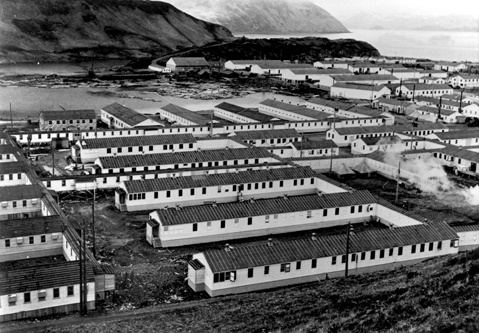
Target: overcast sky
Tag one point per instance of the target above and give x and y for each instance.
(347, 8)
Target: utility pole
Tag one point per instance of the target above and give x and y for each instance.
(11, 117)
(93, 220)
(397, 182)
(53, 158)
(80, 255)
(332, 142)
(350, 232)
(413, 92)
(301, 148)
(460, 101)
(211, 123)
(85, 291)
(439, 108)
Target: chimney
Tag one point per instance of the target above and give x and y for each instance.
(313, 236)
(270, 242)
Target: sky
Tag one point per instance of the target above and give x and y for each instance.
(347, 8)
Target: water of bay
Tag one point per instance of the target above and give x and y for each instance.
(436, 45)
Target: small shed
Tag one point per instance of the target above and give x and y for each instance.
(344, 172)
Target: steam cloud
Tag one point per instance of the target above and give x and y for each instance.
(429, 176)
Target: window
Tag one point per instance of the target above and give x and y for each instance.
(12, 300)
(180, 193)
(43, 238)
(336, 211)
(381, 253)
(333, 261)
(250, 220)
(312, 181)
(266, 270)
(219, 189)
(266, 219)
(413, 249)
(223, 224)
(400, 251)
(309, 214)
(373, 255)
(168, 194)
(325, 212)
(130, 149)
(343, 259)
(363, 255)
(195, 226)
(14, 204)
(391, 252)
(314, 263)
(56, 292)
(204, 190)
(224, 276)
(256, 186)
(108, 150)
(270, 184)
(156, 195)
(208, 225)
(281, 183)
(353, 256)
(263, 185)
(285, 268)
(64, 182)
(298, 265)
(26, 298)
(42, 295)
(439, 245)
(352, 209)
(431, 246)
(295, 182)
(166, 228)
(250, 272)
(422, 247)
(19, 176)
(31, 240)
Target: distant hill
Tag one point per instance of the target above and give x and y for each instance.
(61, 30)
(264, 16)
(371, 21)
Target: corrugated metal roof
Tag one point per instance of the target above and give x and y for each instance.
(135, 141)
(190, 61)
(40, 277)
(298, 109)
(370, 77)
(390, 101)
(262, 207)
(13, 167)
(337, 71)
(20, 192)
(324, 144)
(465, 228)
(389, 128)
(246, 112)
(8, 149)
(460, 152)
(30, 226)
(462, 134)
(365, 111)
(196, 264)
(125, 114)
(358, 86)
(183, 157)
(435, 110)
(255, 176)
(424, 86)
(268, 134)
(67, 114)
(186, 114)
(331, 104)
(325, 246)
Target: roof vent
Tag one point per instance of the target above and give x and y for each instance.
(178, 207)
(227, 247)
(214, 204)
(270, 242)
(251, 200)
(285, 197)
(166, 207)
(313, 236)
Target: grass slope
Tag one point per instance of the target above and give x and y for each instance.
(438, 295)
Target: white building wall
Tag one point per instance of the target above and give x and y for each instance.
(20, 247)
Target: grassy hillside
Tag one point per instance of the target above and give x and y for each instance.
(439, 296)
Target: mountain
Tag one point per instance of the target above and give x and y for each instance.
(366, 20)
(264, 16)
(61, 30)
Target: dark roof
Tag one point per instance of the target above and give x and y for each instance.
(332, 71)
(20, 192)
(8, 149)
(390, 101)
(256, 176)
(187, 114)
(389, 128)
(438, 101)
(331, 104)
(424, 86)
(196, 264)
(67, 114)
(134, 141)
(325, 246)
(279, 64)
(58, 274)
(369, 77)
(357, 86)
(183, 157)
(13, 167)
(432, 109)
(387, 140)
(125, 114)
(190, 61)
(305, 145)
(460, 152)
(245, 112)
(267, 134)
(365, 111)
(465, 228)
(462, 134)
(261, 207)
(301, 110)
(31, 226)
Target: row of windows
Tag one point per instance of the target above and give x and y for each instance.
(6, 157)
(41, 295)
(16, 204)
(150, 148)
(83, 121)
(31, 240)
(286, 267)
(11, 176)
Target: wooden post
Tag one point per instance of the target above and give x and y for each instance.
(85, 291)
(93, 221)
(81, 271)
(332, 145)
(397, 181)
